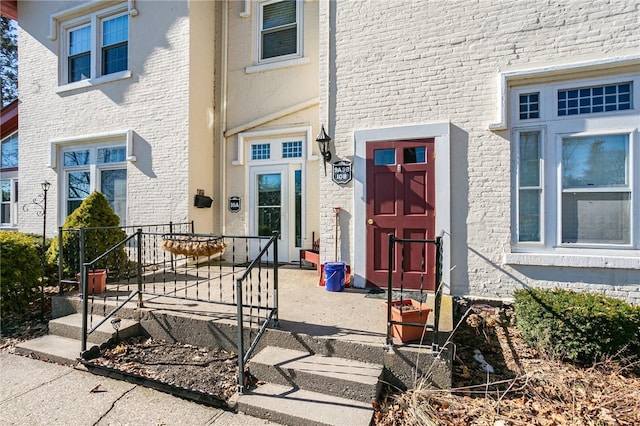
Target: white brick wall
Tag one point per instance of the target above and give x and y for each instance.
(399, 62)
(153, 103)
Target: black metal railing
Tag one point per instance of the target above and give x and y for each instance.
(430, 282)
(243, 275)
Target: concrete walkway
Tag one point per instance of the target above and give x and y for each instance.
(39, 393)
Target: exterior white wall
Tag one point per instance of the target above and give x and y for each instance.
(279, 101)
(154, 103)
(390, 64)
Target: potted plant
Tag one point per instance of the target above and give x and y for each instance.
(408, 310)
(103, 233)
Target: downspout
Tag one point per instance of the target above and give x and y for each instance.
(223, 116)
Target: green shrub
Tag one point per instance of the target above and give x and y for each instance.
(94, 213)
(20, 271)
(580, 327)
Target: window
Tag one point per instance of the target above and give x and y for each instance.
(261, 151)
(9, 152)
(95, 168)
(280, 30)
(577, 179)
(95, 46)
(292, 149)
(9, 203)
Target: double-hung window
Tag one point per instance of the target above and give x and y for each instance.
(280, 30)
(95, 46)
(577, 166)
(9, 180)
(95, 168)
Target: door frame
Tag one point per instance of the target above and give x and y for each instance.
(441, 132)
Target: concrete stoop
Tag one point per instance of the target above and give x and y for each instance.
(309, 389)
(63, 344)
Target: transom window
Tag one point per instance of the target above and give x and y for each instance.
(95, 168)
(576, 177)
(529, 106)
(280, 30)
(587, 100)
(95, 45)
(261, 151)
(292, 149)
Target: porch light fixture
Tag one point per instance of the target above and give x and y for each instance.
(323, 143)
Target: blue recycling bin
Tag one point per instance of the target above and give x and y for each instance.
(334, 273)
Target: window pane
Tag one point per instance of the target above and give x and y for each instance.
(80, 41)
(115, 30)
(111, 155)
(298, 201)
(79, 67)
(113, 184)
(279, 43)
(596, 217)
(529, 166)
(6, 190)
(10, 152)
(269, 207)
(278, 14)
(415, 155)
(261, 151)
(595, 161)
(78, 185)
(76, 158)
(383, 157)
(292, 149)
(529, 215)
(114, 59)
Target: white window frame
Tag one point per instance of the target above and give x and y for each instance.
(93, 18)
(13, 204)
(94, 170)
(292, 59)
(550, 250)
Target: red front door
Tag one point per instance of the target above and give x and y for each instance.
(401, 200)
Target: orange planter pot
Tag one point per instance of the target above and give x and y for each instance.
(408, 311)
(97, 281)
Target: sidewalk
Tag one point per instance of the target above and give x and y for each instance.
(40, 393)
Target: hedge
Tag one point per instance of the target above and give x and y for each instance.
(20, 271)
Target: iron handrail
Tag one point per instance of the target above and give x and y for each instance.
(437, 241)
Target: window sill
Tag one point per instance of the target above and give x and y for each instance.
(277, 65)
(573, 260)
(93, 81)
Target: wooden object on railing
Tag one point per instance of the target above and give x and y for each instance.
(193, 245)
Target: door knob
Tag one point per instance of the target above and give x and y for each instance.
(370, 221)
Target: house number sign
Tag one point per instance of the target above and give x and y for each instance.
(342, 172)
(234, 204)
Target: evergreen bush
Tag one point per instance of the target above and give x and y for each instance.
(103, 233)
(20, 271)
(580, 327)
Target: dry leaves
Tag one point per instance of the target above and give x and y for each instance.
(526, 389)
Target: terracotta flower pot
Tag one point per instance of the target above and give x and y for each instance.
(97, 281)
(408, 310)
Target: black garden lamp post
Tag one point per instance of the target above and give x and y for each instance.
(41, 202)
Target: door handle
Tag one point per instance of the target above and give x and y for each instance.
(370, 221)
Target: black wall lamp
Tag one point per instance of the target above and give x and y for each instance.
(323, 143)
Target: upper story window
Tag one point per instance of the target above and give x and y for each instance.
(9, 152)
(94, 47)
(577, 166)
(279, 30)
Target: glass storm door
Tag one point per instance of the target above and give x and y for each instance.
(270, 192)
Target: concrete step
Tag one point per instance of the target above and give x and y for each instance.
(61, 350)
(297, 407)
(70, 326)
(329, 375)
